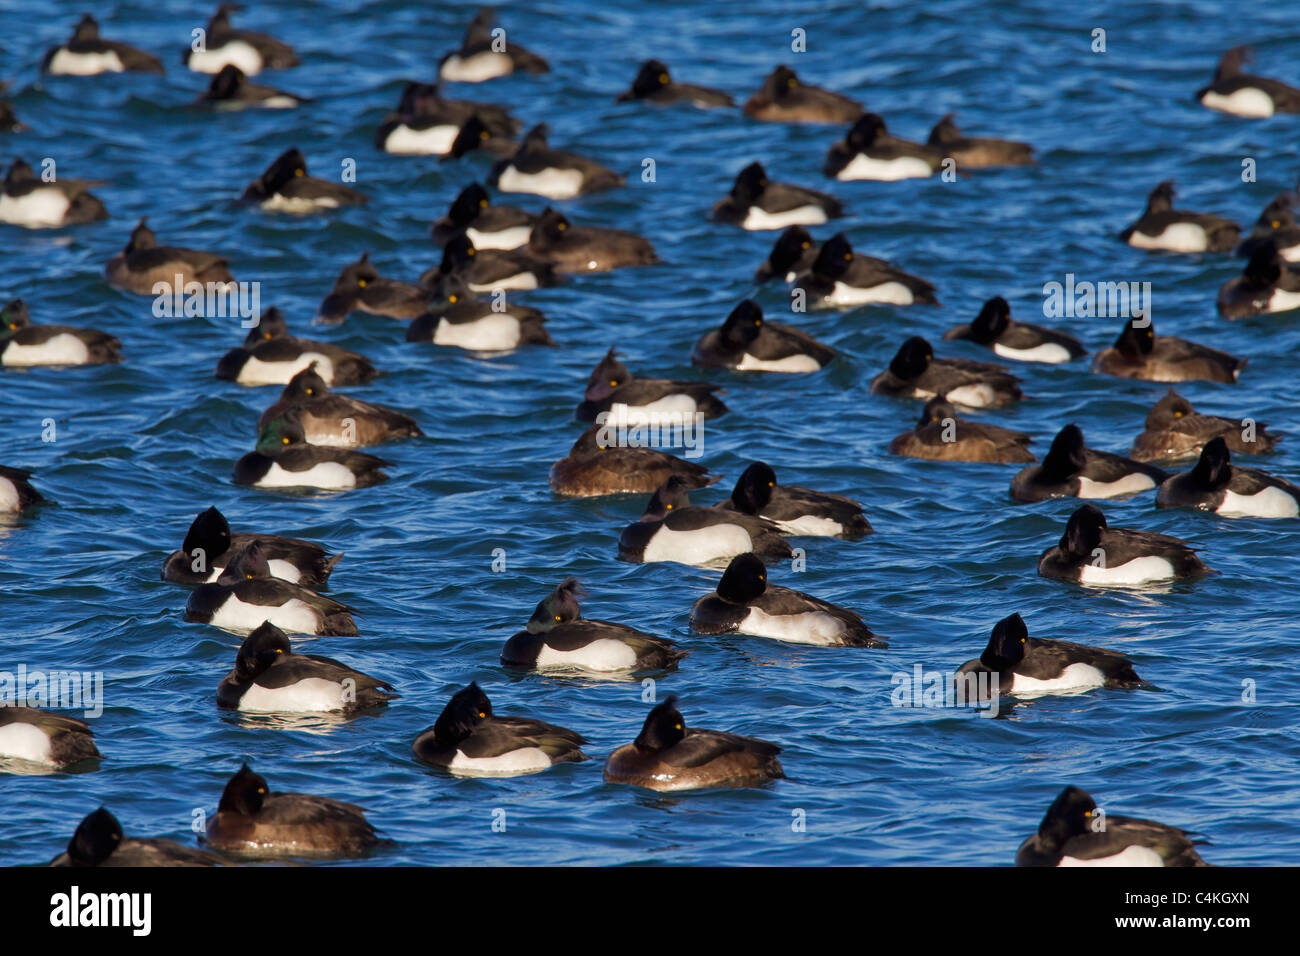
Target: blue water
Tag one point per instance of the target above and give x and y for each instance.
(142, 447)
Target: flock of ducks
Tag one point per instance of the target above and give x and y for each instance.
(268, 586)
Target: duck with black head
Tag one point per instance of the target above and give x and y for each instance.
(669, 756)
(537, 169)
(994, 329)
(245, 596)
(1094, 554)
(1071, 470)
(488, 270)
(459, 319)
(24, 345)
(839, 278)
(869, 151)
(269, 678)
(426, 123)
(795, 510)
(36, 736)
(1275, 224)
(360, 288)
(271, 356)
(231, 89)
(468, 739)
(1168, 229)
(654, 84)
(557, 638)
(914, 372)
(612, 388)
(283, 458)
(224, 45)
(99, 841)
(32, 202)
(1074, 832)
(1237, 92)
(1217, 485)
(253, 822)
(747, 342)
(88, 54)
(672, 529)
(744, 603)
(16, 491)
(577, 249)
(756, 203)
(210, 545)
(977, 152)
(484, 54)
(1267, 285)
(287, 187)
(486, 225)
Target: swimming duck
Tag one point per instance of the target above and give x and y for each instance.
(252, 821)
(792, 255)
(869, 151)
(577, 249)
(16, 492)
(1075, 833)
(667, 756)
(468, 739)
(654, 85)
(245, 596)
(1174, 230)
(672, 529)
(795, 510)
(286, 187)
(536, 168)
(1092, 553)
(914, 372)
(484, 54)
(1069, 470)
(1217, 485)
(487, 270)
(754, 203)
(9, 122)
(1176, 430)
(99, 841)
(360, 288)
(271, 356)
(231, 89)
(210, 546)
(268, 677)
(339, 421)
(558, 638)
(1238, 93)
(994, 328)
(427, 124)
(143, 264)
(612, 388)
(749, 343)
(477, 325)
(1276, 224)
(487, 226)
(784, 99)
(1031, 666)
(251, 52)
(284, 459)
(1138, 353)
(87, 54)
(23, 345)
(33, 203)
(746, 604)
(473, 135)
(977, 152)
(597, 465)
(39, 736)
(941, 436)
(840, 278)
(1265, 286)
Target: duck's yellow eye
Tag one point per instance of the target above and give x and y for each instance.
(663, 77)
(261, 789)
(557, 617)
(1178, 414)
(804, 245)
(1275, 223)
(284, 440)
(792, 82)
(452, 299)
(266, 335)
(562, 225)
(300, 172)
(249, 576)
(13, 325)
(362, 283)
(677, 726)
(311, 391)
(771, 484)
(482, 713)
(670, 507)
(279, 650)
(848, 257)
(613, 382)
(483, 135)
(1022, 640)
(471, 251)
(482, 203)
